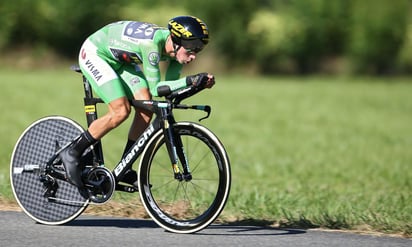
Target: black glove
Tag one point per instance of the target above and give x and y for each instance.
(197, 80)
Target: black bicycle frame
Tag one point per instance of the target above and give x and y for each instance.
(159, 109)
(163, 119)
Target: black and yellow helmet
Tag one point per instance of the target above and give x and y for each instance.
(189, 32)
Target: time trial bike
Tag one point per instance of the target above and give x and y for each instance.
(184, 174)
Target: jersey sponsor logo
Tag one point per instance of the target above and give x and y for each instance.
(83, 54)
(151, 69)
(94, 66)
(148, 32)
(97, 75)
(129, 31)
(134, 31)
(125, 56)
(154, 58)
(119, 44)
(90, 66)
(152, 78)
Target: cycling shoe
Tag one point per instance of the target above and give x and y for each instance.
(72, 167)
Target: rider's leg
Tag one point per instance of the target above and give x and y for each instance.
(141, 118)
(137, 88)
(119, 110)
(140, 122)
(110, 87)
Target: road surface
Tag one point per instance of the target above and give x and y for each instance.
(17, 229)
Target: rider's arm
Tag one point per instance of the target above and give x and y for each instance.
(172, 80)
(173, 70)
(172, 84)
(172, 76)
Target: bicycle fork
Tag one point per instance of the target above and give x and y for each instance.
(176, 153)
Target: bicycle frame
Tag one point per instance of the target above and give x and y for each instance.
(163, 120)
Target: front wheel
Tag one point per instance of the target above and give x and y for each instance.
(185, 206)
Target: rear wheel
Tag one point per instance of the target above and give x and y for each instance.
(185, 206)
(35, 147)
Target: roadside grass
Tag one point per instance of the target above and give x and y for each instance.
(312, 152)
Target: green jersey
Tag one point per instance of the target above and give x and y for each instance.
(133, 51)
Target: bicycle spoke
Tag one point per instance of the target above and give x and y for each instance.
(158, 187)
(196, 186)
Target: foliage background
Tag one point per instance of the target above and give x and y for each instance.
(264, 36)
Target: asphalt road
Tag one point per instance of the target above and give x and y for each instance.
(17, 229)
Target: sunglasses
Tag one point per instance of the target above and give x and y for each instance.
(193, 50)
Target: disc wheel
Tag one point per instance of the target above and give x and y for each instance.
(34, 148)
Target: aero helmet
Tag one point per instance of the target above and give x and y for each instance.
(189, 32)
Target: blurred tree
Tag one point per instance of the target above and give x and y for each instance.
(378, 32)
(228, 22)
(159, 12)
(404, 62)
(301, 33)
(7, 21)
(323, 23)
(59, 24)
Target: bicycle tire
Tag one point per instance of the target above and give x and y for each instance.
(36, 145)
(180, 206)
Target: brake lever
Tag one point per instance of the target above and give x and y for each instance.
(207, 109)
(204, 108)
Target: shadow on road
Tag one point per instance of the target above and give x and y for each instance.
(122, 223)
(214, 229)
(249, 230)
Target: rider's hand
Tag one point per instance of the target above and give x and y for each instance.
(201, 80)
(210, 81)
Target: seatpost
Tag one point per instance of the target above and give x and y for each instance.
(90, 109)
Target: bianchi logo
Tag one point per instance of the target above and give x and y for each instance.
(135, 149)
(154, 58)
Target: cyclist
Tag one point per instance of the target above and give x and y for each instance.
(121, 62)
